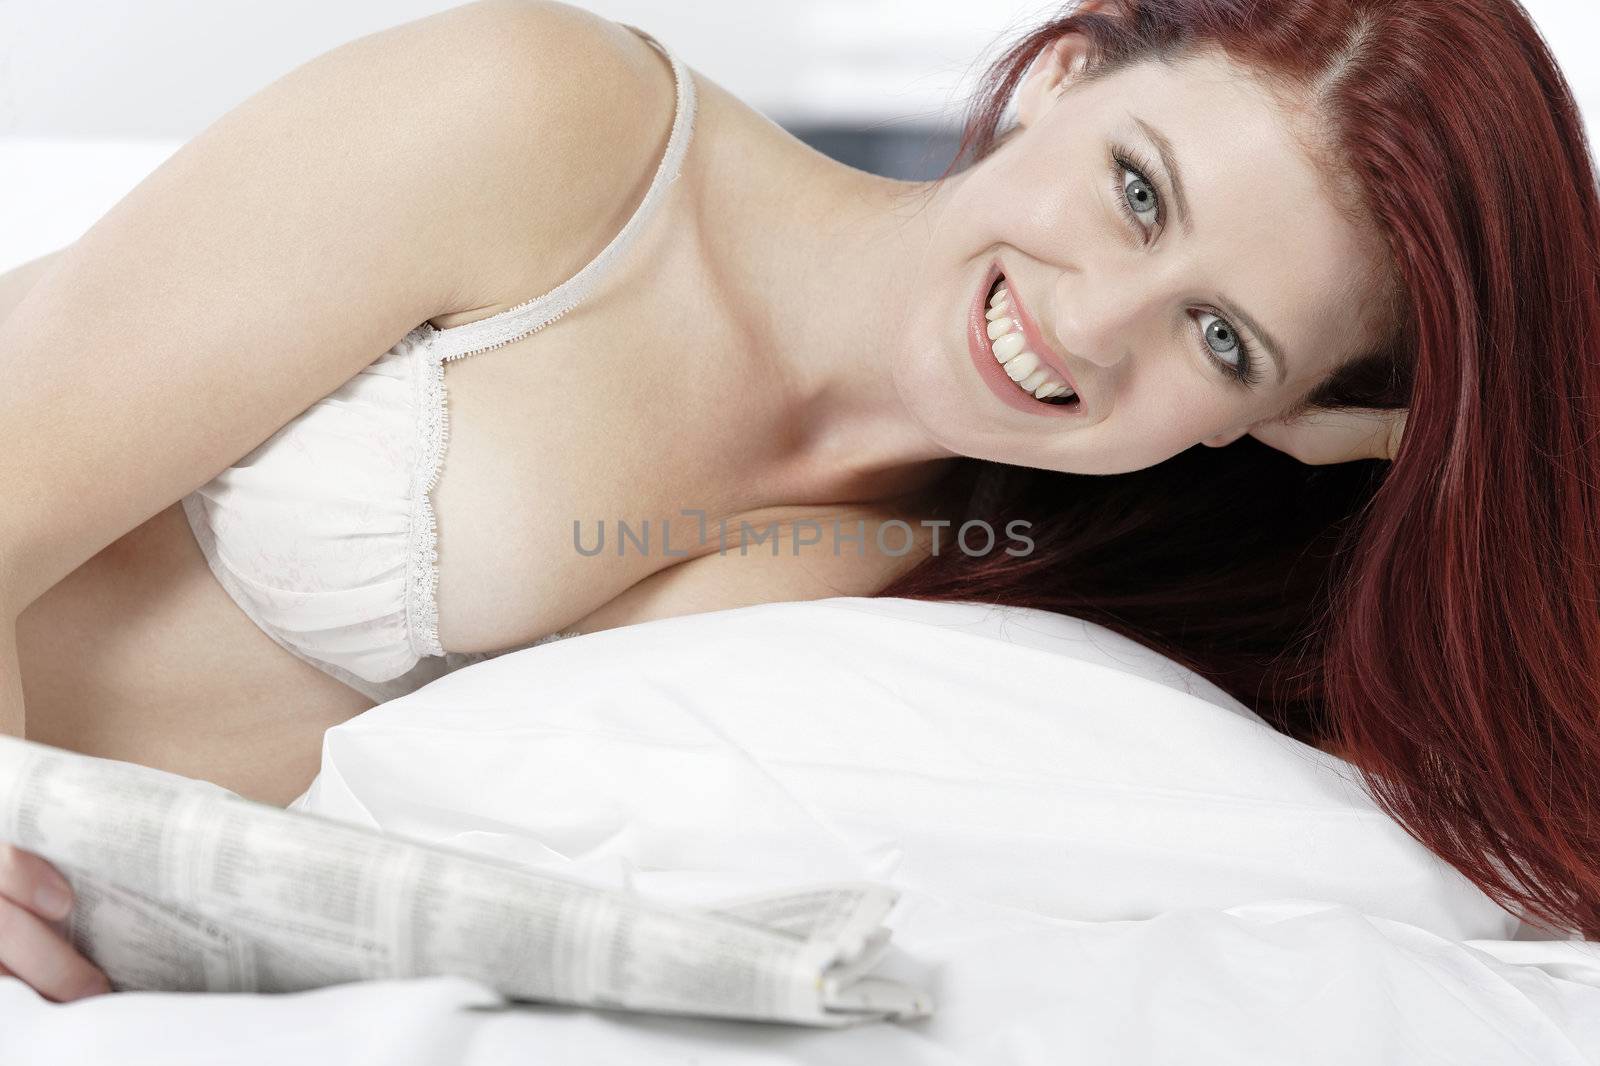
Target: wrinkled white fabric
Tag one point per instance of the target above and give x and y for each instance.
(1103, 859)
(1027, 759)
(324, 534)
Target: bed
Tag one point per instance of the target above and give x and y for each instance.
(1102, 857)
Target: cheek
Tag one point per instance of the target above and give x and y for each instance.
(1048, 203)
(918, 382)
(935, 382)
(1172, 409)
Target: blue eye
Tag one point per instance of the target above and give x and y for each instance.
(1135, 193)
(1220, 337)
(1139, 202)
(1140, 196)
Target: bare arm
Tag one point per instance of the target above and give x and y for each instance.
(268, 261)
(12, 720)
(394, 179)
(14, 285)
(19, 281)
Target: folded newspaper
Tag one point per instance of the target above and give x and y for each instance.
(184, 886)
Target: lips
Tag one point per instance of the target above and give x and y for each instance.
(1036, 343)
(993, 374)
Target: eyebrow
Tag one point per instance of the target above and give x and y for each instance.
(1169, 162)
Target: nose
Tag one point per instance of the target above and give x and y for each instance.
(1098, 313)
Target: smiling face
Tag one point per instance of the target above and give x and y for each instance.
(1164, 230)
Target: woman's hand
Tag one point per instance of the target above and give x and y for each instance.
(32, 897)
(1322, 437)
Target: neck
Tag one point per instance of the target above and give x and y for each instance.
(820, 269)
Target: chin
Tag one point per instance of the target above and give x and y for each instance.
(1109, 460)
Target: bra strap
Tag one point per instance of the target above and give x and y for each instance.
(517, 322)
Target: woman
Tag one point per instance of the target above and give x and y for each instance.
(1288, 220)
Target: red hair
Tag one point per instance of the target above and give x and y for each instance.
(1435, 621)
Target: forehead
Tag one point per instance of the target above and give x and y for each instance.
(1269, 231)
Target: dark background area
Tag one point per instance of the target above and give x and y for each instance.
(913, 153)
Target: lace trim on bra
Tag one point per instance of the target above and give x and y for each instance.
(422, 584)
(517, 322)
(496, 331)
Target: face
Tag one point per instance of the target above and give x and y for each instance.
(1162, 230)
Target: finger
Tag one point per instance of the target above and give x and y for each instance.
(1289, 438)
(34, 952)
(1273, 434)
(1374, 433)
(1397, 431)
(29, 881)
(1323, 437)
(1370, 431)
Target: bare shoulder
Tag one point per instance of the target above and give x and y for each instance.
(403, 175)
(545, 112)
(506, 38)
(578, 109)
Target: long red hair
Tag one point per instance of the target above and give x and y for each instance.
(1436, 621)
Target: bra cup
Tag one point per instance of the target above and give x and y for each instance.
(324, 534)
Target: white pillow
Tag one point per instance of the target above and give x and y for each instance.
(1013, 757)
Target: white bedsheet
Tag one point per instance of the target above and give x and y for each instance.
(1103, 858)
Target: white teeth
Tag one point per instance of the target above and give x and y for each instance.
(1009, 347)
(1022, 366)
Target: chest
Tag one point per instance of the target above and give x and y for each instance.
(649, 399)
(573, 454)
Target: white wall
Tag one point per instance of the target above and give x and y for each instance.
(167, 68)
(94, 94)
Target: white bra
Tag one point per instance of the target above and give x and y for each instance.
(324, 534)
